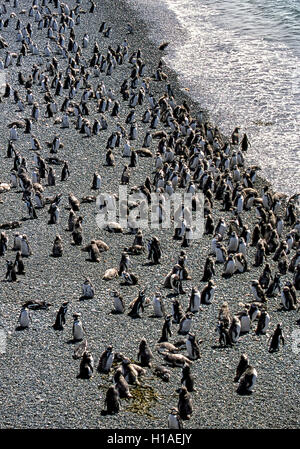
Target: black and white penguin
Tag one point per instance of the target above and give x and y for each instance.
(145, 354)
(209, 269)
(229, 266)
(207, 294)
(78, 330)
(19, 264)
(235, 329)
(106, 360)
(192, 347)
(276, 339)
(24, 318)
(185, 324)
(154, 250)
(245, 320)
(88, 290)
(258, 292)
(96, 184)
(274, 287)
(61, 316)
(137, 305)
(119, 302)
(263, 323)
(158, 305)
(187, 380)
(166, 329)
(86, 366)
(287, 299)
(194, 304)
(185, 407)
(247, 381)
(224, 336)
(11, 274)
(174, 420)
(242, 366)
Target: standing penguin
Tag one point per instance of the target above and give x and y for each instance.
(235, 329)
(119, 302)
(192, 347)
(185, 407)
(194, 304)
(3, 243)
(19, 264)
(86, 366)
(263, 323)
(248, 381)
(242, 366)
(187, 380)
(185, 324)
(158, 305)
(174, 420)
(154, 249)
(88, 290)
(61, 316)
(25, 247)
(78, 330)
(166, 330)
(208, 292)
(106, 360)
(24, 318)
(276, 338)
(112, 400)
(145, 355)
(57, 249)
(11, 275)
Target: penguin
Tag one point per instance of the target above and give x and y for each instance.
(3, 243)
(163, 373)
(287, 299)
(119, 302)
(174, 420)
(166, 329)
(145, 355)
(112, 400)
(121, 385)
(124, 263)
(265, 277)
(65, 173)
(158, 305)
(154, 250)
(207, 294)
(247, 381)
(94, 253)
(129, 278)
(71, 221)
(78, 330)
(19, 264)
(54, 214)
(86, 366)
(263, 323)
(175, 359)
(258, 292)
(229, 266)
(57, 249)
(254, 312)
(242, 366)
(245, 321)
(187, 380)
(192, 347)
(194, 304)
(209, 269)
(296, 279)
(74, 202)
(106, 360)
(224, 336)
(11, 274)
(24, 318)
(276, 338)
(137, 305)
(177, 311)
(185, 324)
(61, 316)
(233, 243)
(96, 185)
(235, 329)
(88, 290)
(185, 407)
(274, 287)
(221, 253)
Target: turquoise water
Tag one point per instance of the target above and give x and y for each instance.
(241, 61)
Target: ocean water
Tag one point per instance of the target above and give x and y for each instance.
(240, 59)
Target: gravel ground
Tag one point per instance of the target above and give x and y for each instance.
(38, 384)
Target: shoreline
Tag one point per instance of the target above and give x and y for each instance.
(39, 360)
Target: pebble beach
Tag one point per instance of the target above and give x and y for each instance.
(39, 388)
